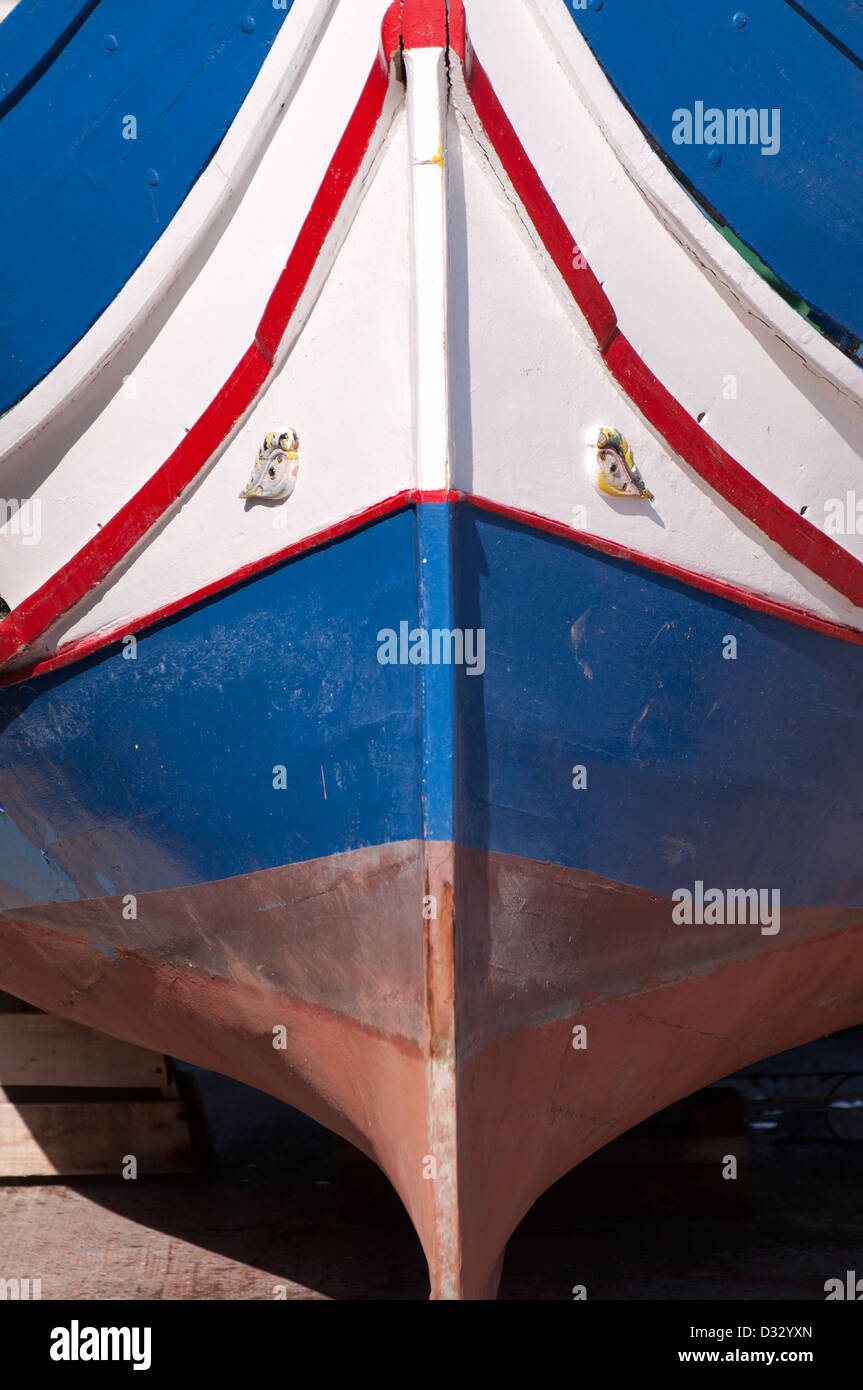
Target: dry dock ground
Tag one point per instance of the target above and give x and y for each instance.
(280, 1216)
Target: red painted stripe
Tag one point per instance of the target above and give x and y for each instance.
(759, 603)
(797, 536)
(100, 556)
(424, 24)
(95, 561)
(781, 523)
(391, 31)
(77, 651)
(117, 537)
(557, 238)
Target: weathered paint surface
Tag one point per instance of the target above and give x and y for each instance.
(429, 983)
(389, 890)
(194, 724)
(587, 661)
(518, 955)
(709, 733)
(704, 533)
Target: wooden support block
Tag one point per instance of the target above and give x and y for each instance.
(79, 1137)
(74, 1101)
(40, 1050)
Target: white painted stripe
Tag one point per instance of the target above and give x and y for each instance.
(382, 397)
(165, 271)
(427, 98)
(776, 395)
(96, 449)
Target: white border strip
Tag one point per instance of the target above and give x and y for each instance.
(677, 211)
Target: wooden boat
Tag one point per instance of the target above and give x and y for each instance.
(487, 777)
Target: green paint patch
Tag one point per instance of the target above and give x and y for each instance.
(850, 346)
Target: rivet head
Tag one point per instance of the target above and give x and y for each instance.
(739, 20)
(248, 24)
(596, 4)
(112, 43)
(152, 177)
(714, 158)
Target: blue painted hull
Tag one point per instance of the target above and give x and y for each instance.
(387, 827)
(798, 208)
(121, 775)
(730, 770)
(258, 825)
(279, 673)
(83, 202)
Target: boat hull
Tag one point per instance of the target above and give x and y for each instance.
(471, 797)
(323, 1007)
(451, 948)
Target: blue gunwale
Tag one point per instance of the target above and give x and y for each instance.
(801, 210)
(31, 38)
(83, 204)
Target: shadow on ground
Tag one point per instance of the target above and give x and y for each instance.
(278, 1216)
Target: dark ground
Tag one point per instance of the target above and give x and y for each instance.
(277, 1210)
